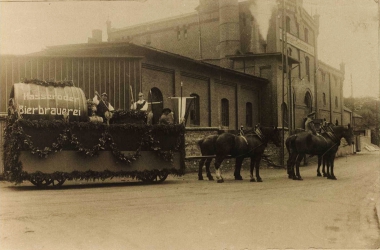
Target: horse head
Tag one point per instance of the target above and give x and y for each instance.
(344, 132)
(272, 134)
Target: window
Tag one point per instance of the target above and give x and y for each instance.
(244, 19)
(288, 24)
(225, 113)
(248, 114)
(284, 109)
(185, 31)
(298, 29)
(307, 65)
(308, 102)
(336, 102)
(194, 110)
(306, 35)
(178, 34)
(323, 76)
(324, 99)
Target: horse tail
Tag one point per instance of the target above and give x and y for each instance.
(290, 143)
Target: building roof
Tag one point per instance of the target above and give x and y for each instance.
(71, 51)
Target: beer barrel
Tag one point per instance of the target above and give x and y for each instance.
(36, 102)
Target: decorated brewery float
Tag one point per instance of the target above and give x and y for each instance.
(53, 135)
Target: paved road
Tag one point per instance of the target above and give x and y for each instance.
(184, 213)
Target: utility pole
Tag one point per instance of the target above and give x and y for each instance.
(378, 64)
(283, 84)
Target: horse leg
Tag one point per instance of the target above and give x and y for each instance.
(325, 160)
(238, 163)
(257, 166)
(290, 165)
(328, 167)
(200, 176)
(332, 176)
(251, 167)
(319, 165)
(297, 175)
(209, 176)
(218, 172)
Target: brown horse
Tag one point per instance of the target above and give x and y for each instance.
(251, 145)
(324, 146)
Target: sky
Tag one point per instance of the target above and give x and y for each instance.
(348, 29)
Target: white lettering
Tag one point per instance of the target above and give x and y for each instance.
(20, 109)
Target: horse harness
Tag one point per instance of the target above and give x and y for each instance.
(259, 134)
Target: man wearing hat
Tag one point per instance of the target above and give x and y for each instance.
(309, 124)
(141, 104)
(166, 117)
(102, 104)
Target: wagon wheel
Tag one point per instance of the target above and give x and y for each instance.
(58, 182)
(41, 182)
(161, 177)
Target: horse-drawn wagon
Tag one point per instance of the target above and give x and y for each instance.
(51, 136)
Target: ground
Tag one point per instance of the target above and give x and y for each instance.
(184, 213)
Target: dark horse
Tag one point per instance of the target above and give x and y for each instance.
(250, 145)
(324, 146)
(207, 146)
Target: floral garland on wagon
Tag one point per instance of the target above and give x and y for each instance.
(16, 139)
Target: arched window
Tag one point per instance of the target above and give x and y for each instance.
(306, 35)
(288, 24)
(225, 113)
(336, 102)
(194, 110)
(248, 114)
(308, 102)
(156, 99)
(324, 99)
(307, 66)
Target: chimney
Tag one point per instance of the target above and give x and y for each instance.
(96, 36)
(229, 30)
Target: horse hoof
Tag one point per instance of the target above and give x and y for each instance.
(325, 175)
(259, 180)
(332, 178)
(290, 177)
(210, 178)
(238, 178)
(297, 178)
(220, 181)
(200, 178)
(252, 180)
(319, 175)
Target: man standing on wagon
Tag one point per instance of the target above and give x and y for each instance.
(102, 104)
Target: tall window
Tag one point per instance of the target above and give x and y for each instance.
(288, 24)
(178, 33)
(336, 102)
(194, 110)
(306, 35)
(248, 114)
(308, 102)
(307, 65)
(324, 99)
(284, 109)
(225, 113)
(185, 31)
